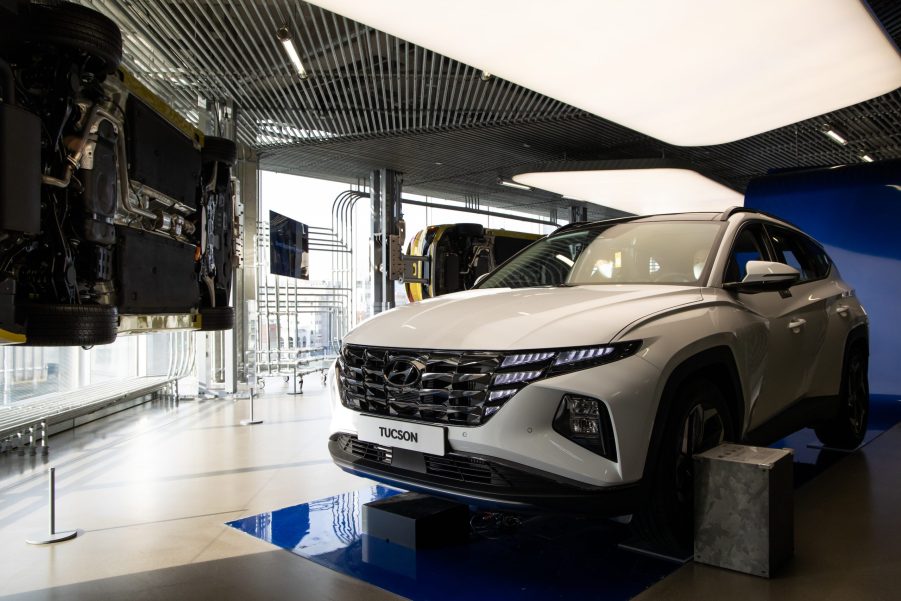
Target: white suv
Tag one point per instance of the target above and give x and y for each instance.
(585, 372)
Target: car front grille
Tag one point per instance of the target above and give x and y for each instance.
(453, 467)
(365, 450)
(449, 387)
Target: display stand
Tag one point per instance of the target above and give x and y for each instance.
(414, 520)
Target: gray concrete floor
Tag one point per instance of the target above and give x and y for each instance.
(152, 488)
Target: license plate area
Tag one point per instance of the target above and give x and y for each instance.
(403, 435)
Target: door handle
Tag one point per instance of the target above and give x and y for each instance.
(795, 324)
(842, 310)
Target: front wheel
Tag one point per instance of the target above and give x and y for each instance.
(847, 429)
(699, 420)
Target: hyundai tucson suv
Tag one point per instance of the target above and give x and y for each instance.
(585, 372)
(116, 215)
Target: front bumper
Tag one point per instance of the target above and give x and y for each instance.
(477, 480)
(521, 433)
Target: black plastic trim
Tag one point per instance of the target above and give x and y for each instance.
(556, 493)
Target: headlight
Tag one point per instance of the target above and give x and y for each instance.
(511, 377)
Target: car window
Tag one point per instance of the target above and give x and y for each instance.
(748, 246)
(800, 252)
(653, 252)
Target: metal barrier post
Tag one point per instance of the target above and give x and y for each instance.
(295, 391)
(251, 421)
(53, 536)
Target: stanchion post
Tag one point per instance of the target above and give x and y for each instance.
(295, 391)
(53, 536)
(252, 421)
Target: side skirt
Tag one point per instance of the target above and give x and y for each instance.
(803, 414)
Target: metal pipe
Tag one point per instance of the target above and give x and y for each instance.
(478, 211)
(52, 501)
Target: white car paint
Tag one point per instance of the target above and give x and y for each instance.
(778, 362)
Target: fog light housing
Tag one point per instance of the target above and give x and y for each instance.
(586, 422)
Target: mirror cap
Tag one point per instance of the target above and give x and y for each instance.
(770, 272)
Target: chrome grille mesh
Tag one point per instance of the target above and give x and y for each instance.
(445, 386)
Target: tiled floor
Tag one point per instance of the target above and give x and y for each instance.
(152, 488)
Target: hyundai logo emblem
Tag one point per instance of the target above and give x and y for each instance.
(403, 373)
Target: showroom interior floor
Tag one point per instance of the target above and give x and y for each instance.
(153, 487)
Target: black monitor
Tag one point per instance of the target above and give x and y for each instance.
(289, 247)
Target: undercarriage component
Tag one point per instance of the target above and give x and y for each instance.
(154, 274)
(20, 139)
(106, 206)
(159, 155)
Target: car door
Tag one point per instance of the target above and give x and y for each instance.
(784, 369)
(810, 297)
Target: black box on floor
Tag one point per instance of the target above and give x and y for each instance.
(744, 513)
(416, 521)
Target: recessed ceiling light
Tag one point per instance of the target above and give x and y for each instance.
(510, 184)
(655, 188)
(866, 158)
(689, 73)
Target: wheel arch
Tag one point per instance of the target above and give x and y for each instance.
(858, 335)
(716, 364)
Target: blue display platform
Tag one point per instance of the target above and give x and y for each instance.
(546, 557)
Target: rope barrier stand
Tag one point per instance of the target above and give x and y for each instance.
(53, 536)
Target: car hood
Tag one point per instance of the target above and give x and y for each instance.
(523, 318)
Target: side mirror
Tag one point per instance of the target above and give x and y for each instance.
(765, 275)
(480, 279)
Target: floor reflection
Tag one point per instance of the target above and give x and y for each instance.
(545, 557)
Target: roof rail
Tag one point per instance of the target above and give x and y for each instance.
(578, 224)
(725, 215)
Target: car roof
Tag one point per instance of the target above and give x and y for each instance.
(691, 216)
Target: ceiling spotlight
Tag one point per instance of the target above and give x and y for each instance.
(486, 76)
(509, 184)
(284, 36)
(833, 135)
(866, 158)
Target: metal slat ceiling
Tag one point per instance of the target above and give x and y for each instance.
(373, 100)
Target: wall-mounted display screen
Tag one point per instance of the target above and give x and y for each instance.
(289, 247)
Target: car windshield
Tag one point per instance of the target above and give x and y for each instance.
(650, 252)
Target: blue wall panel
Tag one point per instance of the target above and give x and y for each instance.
(855, 212)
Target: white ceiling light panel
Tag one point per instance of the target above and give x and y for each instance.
(639, 191)
(692, 72)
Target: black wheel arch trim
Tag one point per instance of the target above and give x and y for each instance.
(694, 366)
(858, 333)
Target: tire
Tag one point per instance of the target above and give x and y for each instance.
(221, 150)
(71, 325)
(847, 429)
(213, 319)
(78, 28)
(666, 517)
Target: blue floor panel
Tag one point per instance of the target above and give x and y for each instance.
(546, 557)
